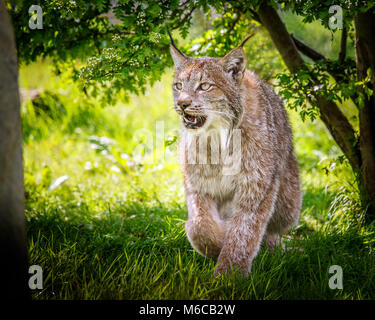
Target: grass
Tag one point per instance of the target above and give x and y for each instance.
(113, 226)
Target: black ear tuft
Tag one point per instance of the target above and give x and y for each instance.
(178, 57)
(244, 41)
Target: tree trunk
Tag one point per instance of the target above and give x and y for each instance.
(13, 254)
(362, 157)
(365, 54)
(336, 122)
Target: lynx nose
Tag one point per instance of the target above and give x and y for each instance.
(184, 103)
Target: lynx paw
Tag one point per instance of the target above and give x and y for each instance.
(229, 269)
(222, 269)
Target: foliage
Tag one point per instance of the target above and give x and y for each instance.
(228, 29)
(125, 45)
(337, 78)
(312, 10)
(105, 224)
(300, 91)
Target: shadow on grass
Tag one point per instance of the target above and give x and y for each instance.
(136, 251)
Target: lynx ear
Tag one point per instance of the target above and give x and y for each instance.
(178, 57)
(235, 61)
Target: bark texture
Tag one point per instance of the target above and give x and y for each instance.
(13, 254)
(361, 155)
(365, 53)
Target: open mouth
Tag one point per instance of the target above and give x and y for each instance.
(193, 122)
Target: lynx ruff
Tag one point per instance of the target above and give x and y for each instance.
(236, 152)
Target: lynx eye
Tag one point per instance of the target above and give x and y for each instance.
(205, 86)
(178, 85)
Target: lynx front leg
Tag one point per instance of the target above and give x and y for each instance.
(204, 228)
(245, 232)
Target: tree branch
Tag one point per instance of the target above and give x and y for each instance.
(336, 122)
(307, 50)
(255, 15)
(234, 23)
(316, 56)
(344, 36)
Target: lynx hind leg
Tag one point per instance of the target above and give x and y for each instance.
(204, 229)
(288, 204)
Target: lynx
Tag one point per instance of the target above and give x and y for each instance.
(232, 213)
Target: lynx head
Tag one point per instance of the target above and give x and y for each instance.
(207, 90)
